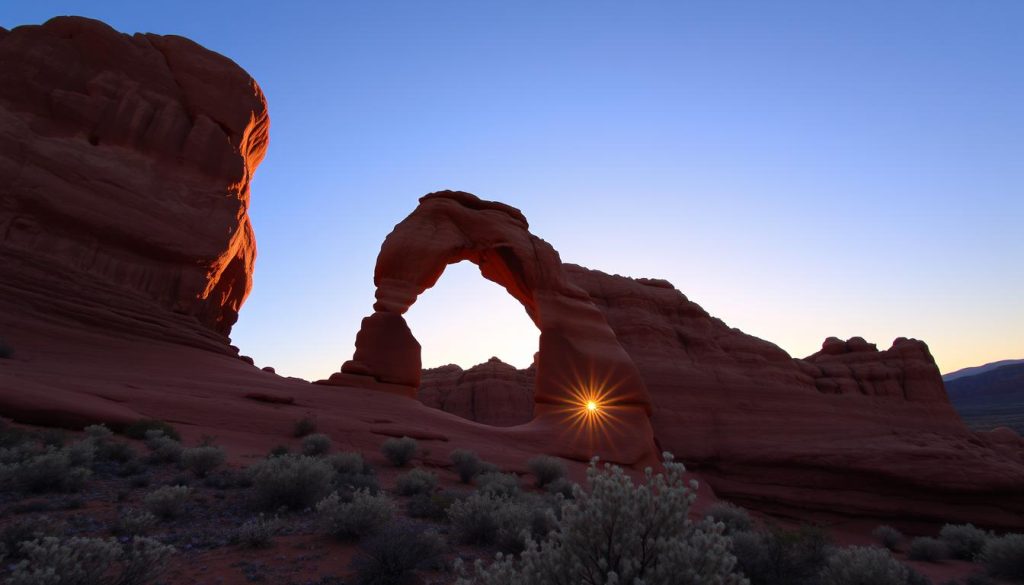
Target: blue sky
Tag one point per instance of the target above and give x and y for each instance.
(800, 169)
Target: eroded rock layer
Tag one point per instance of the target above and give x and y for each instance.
(493, 393)
(125, 164)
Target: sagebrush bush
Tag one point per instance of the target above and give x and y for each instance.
(431, 506)
(735, 518)
(167, 502)
(316, 444)
(392, 556)
(965, 541)
(546, 469)
(416, 481)
(139, 428)
(864, 565)
(304, 426)
(364, 514)
(133, 522)
(782, 557)
(258, 532)
(1003, 556)
(888, 537)
(399, 452)
(618, 532)
(466, 463)
(498, 484)
(925, 548)
(163, 448)
(48, 471)
(23, 530)
(509, 523)
(202, 460)
(347, 463)
(98, 432)
(90, 561)
(562, 487)
(291, 481)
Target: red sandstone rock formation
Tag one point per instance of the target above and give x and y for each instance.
(125, 164)
(579, 358)
(493, 393)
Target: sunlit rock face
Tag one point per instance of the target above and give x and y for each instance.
(125, 163)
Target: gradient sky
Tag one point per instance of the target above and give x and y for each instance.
(800, 169)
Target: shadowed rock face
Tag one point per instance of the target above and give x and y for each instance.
(493, 393)
(125, 164)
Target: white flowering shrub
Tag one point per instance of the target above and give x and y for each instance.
(416, 481)
(364, 514)
(617, 532)
(864, 565)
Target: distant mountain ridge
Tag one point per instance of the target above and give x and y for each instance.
(975, 370)
(992, 398)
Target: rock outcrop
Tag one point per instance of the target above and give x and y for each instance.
(125, 164)
(579, 359)
(492, 393)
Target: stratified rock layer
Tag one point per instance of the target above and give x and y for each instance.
(492, 393)
(125, 164)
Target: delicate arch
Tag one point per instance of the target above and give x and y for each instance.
(578, 352)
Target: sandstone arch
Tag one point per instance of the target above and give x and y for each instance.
(578, 352)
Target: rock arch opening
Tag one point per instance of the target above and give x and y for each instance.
(477, 349)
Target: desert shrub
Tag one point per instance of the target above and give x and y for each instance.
(11, 436)
(98, 432)
(6, 351)
(115, 451)
(620, 532)
(348, 463)
(163, 448)
(167, 502)
(925, 548)
(365, 514)
(143, 561)
(316, 444)
(81, 453)
(508, 523)
(416, 481)
(498, 484)
(279, 451)
(139, 428)
(90, 561)
(864, 565)
(202, 460)
(431, 506)
(782, 557)
(258, 532)
(133, 522)
(546, 469)
(475, 519)
(965, 541)
(399, 452)
(304, 426)
(735, 518)
(915, 578)
(52, 437)
(23, 530)
(1003, 557)
(888, 537)
(563, 487)
(49, 471)
(467, 464)
(291, 481)
(392, 556)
